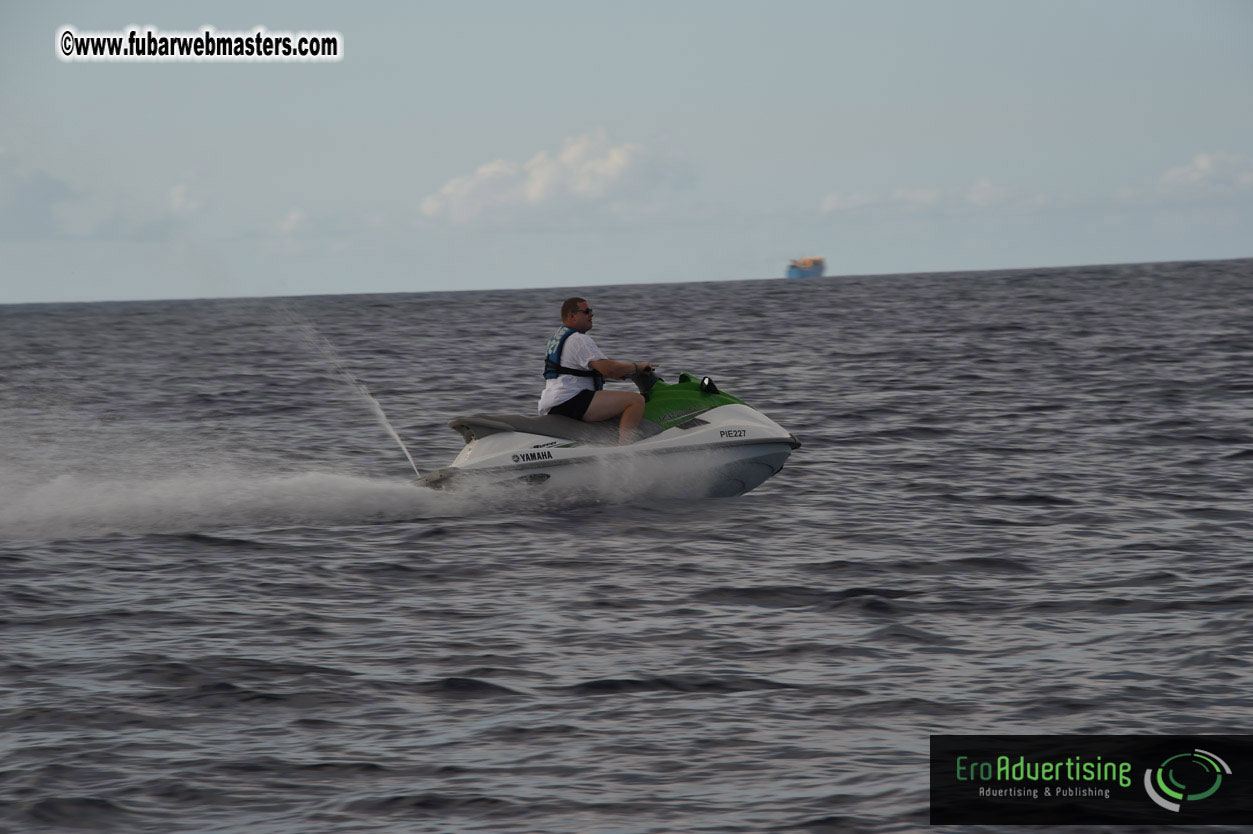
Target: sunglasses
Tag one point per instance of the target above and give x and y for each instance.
(588, 311)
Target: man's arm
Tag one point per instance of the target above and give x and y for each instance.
(612, 369)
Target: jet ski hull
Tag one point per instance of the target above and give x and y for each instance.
(721, 452)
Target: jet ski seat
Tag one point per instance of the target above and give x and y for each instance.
(605, 433)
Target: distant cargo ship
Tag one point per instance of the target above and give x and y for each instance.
(806, 268)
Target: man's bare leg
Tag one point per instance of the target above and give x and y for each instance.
(606, 405)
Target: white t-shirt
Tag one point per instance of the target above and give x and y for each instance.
(578, 351)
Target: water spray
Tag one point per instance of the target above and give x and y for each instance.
(373, 402)
(329, 353)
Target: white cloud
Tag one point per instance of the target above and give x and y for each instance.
(588, 169)
(984, 193)
(1211, 172)
(1206, 176)
(180, 203)
(293, 222)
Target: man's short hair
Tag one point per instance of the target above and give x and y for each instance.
(569, 306)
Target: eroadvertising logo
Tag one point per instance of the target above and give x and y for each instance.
(1193, 776)
(1079, 780)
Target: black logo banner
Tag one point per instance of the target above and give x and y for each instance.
(1079, 780)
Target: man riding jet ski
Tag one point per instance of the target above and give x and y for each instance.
(575, 370)
(685, 438)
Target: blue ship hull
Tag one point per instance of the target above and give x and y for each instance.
(806, 268)
(798, 272)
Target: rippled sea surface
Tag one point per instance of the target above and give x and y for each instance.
(1023, 505)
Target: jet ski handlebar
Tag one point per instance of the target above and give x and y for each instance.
(647, 378)
(644, 380)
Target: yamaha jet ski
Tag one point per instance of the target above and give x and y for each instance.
(693, 440)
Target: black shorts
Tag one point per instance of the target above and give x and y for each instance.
(574, 407)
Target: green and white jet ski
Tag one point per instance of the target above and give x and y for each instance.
(693, 440)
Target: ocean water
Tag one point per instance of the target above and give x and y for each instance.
(1023, 505)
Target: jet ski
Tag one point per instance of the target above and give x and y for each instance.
(693, 440)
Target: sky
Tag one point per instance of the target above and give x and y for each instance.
(485, 145)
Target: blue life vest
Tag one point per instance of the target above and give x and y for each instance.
(552, 361)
